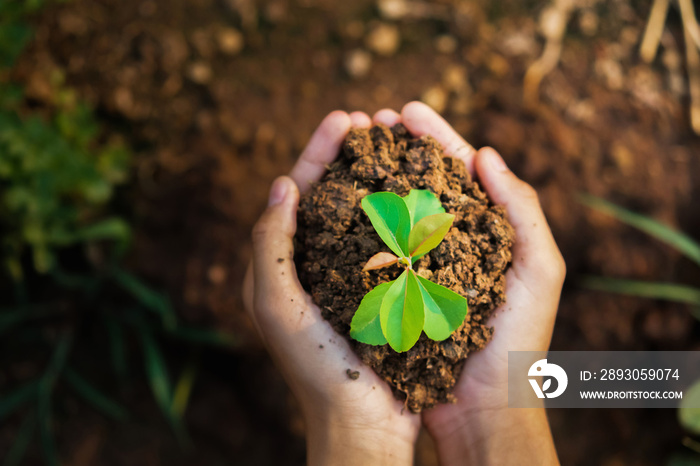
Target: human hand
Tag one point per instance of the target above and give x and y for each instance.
(480, 427)
(348, 421)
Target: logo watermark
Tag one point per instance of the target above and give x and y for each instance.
(548, 372)
(601, 379)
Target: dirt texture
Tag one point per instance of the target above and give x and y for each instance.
(335, 239)
(211, 128)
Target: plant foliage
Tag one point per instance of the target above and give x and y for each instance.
(688, 414)
(398, 311)
(57, 183)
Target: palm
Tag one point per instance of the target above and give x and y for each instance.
(533, 283)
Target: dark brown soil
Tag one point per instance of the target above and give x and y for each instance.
(336, 238)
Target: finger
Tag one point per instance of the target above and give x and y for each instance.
(536, 256)
(322, 149)
(421, 120)
(534, 282)
(274, 273)
(248, 299)
(360, 120)
(386, 116)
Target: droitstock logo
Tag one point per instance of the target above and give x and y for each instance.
(548, 372)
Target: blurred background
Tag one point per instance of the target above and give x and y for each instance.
(138, 139)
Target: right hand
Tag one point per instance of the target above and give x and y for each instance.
(481, 417)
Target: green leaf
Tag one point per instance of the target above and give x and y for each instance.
(643, 289)
(365, 326)
(674, 238)
(445, 310)
(401, 314)
(390, 218)
(421, 203)
(94, 397)
(380, 260)
(689, 409)
(428, 233)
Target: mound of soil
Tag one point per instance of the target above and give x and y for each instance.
(335, 239)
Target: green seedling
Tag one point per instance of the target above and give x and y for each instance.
(398, 311)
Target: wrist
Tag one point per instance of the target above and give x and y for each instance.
(334, 439)
(496, 436)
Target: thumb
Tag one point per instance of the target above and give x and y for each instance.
(536, 258)
(274, 272)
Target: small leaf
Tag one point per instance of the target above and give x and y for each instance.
(445, 310)
(380, 260)
(390, 218)
(689, 410)
(421, 203)
(401, 314)
(365, 326)
(428, 233)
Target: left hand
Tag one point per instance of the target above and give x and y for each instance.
(348, 421)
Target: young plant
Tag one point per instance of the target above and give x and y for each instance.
(398, 311)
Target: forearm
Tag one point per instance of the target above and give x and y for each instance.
(330, 444)
(500, 437)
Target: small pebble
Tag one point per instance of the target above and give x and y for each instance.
(435, 97)
(383, 39)
(230, 41)
(200, 72)
(358, 63)
(446, 44)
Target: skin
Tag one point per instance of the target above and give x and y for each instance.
(359, 421)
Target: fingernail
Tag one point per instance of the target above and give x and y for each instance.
(278, 192)
(496, 161)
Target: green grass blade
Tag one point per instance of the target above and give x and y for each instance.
(45, 392)
(12, 318)
(183, 388)
(674, 238)
(24, 436)
(205, 336)
(93, 396)
(643, 289)
(117, 346)
(157, 372)
(159, 380)
(148, 298)
(17, 398)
